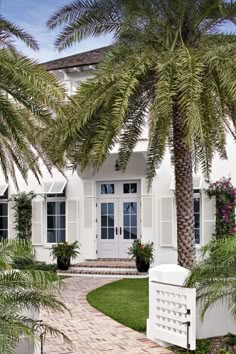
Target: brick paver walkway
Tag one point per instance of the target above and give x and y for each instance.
(91, 331)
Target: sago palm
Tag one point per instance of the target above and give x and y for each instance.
(169, 68)
(22, 292)
(28, 97)
(215, 276)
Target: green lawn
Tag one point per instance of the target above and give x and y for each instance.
(126, 301)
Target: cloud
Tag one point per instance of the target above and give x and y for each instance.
(32, 16)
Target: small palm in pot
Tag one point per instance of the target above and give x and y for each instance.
(64, 252)
(143, 253)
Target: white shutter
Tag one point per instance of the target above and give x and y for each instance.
(89, 203)
(72, 210)
(37, 222)
(208, 218)
(88, 188)
(166, 222)
(11, 218)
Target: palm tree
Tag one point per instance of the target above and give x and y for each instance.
(214, 277)
(28, 97)
(22, 291)
(170, 67)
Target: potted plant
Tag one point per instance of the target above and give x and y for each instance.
(64, 252)
(143, 254)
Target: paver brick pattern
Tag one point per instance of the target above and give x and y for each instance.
(91, 331)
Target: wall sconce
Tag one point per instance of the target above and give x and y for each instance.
(117, 167)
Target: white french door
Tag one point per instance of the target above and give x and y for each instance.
(118, 220)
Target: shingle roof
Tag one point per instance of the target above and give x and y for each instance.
(86, 58)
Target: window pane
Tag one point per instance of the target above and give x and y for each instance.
(126, 220)
(196, 221)
(51, 222)
(61, 208)
(104, 208)
(3, 223)
(197, 236)
(3, 209)
(104, 233)
(126, 188)
(61, 235)
(61, 222)
(51, 208)
(3, 234)
(107, 188)
(196, 205)
(126, 233)
(51, 236)
(110, 220)
(104, 220)
(111, 233)
(133, 188)
(133, 233)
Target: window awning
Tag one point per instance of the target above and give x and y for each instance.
(54, 187)
(197, 183)
(3, 188)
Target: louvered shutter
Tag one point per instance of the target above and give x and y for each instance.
(72, 215)
(147, 210)
(89, 202)
(11, 218)
(37, 222)
(167, 228)
(208, 218)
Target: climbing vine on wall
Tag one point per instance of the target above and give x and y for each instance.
(225, 196)
(23, 214)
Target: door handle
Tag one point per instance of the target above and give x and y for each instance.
(116, 230)
(120, 230)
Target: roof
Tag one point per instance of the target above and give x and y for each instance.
(87, 58)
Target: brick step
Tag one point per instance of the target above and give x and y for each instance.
(105, 264)
(93, 271)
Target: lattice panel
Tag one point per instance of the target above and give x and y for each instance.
(172, 308)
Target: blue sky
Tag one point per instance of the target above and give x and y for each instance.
(32, 16)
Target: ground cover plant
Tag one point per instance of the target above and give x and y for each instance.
(126, 301)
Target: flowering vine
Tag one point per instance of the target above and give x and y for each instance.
(225, 195)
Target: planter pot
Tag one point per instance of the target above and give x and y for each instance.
(63, 263)
(141, 265)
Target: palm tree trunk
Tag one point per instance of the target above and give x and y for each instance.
(184, 194)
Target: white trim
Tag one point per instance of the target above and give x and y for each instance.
(3, 188)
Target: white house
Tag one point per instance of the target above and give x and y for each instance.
(105, 212)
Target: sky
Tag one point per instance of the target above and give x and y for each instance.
(32, 16)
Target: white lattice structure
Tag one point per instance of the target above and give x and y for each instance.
(172, 309)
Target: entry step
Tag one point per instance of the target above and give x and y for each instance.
(102, 271)
(105, 263)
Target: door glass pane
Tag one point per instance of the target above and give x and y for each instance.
(126, 233)
(104, 233)
(133, 233)
(134, 220)
(111, 208)
(111, 233)
(104, 220)
(104, 208)
(133, 207)
(126, 208)
(111, 220)
(126, 220)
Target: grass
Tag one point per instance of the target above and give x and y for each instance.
(126, 301)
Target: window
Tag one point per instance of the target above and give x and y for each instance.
(56, 221)
(197, 218)
(3, 220)
(129, 188)
(107, 188)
